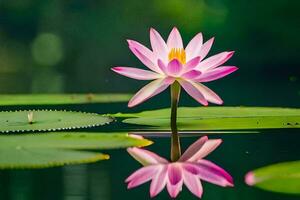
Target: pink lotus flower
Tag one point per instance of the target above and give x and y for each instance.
(188, 170)
(171, 62)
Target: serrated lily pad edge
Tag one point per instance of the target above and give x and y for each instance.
(111, 118)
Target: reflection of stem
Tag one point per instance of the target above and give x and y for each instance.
(175, 140)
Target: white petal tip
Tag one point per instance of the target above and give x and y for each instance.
(200, 33)
(136, 136)
(130, 105)
(221, 102)
(130, 149)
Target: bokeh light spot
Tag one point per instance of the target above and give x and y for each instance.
(47, 49)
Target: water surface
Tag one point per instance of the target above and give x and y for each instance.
(238, 154)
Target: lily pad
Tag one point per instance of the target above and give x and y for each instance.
(47, 120)
(61, 148)
(217, 118)
(54, 99)
(281, 177)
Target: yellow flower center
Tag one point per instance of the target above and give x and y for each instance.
(177, 53)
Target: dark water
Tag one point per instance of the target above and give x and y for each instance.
(238, 154)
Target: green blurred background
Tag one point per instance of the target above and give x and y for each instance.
(56, 46)
(70, 46)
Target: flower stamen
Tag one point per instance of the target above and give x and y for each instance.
(177, 53)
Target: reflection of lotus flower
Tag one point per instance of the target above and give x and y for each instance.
(171, 62)
(189, 169)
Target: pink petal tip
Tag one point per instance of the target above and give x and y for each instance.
(204, 138)
(250, 179)
(231, 52)
(130, 105)
(219, 141)
(129, 41)
(116, 69)
(174, 28)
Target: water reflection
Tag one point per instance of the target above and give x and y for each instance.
(158, 134)
(190, 169)
(82, 182)
(105, 180)
(21, 185)
(75, 181)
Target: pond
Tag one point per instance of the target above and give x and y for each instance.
(52, 49)
(239, 153)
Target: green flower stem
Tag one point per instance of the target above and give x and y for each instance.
(175, 140)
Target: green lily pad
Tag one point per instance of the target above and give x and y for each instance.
(47, 120)
(54, 99)
(281, 177)
(217, 118)
(61, 148)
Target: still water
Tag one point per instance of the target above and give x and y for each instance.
(238, 154)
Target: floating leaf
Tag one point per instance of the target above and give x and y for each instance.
(62, 148)
(281, 177)
(47, 120)
(52, 99)
(217, 118)
(43, 158)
